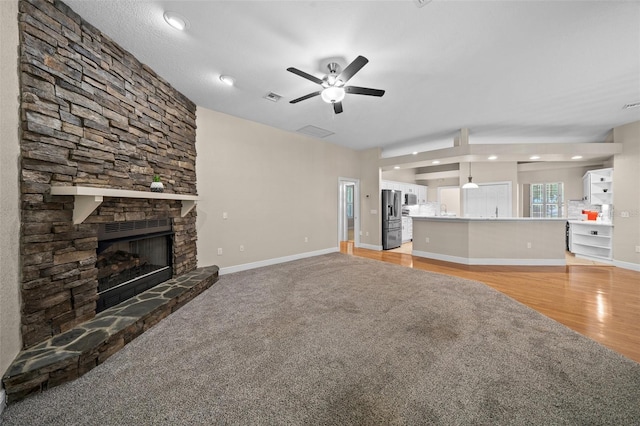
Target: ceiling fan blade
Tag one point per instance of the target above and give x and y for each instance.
(305, 97)
(355, 90)
(337, 107)
(352, 68)
(305, 75)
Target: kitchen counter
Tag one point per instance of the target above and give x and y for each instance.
(493, 219)
(591, 222)
(490, 241)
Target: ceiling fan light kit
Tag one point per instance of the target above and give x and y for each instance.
(332, 94)
(334, 89)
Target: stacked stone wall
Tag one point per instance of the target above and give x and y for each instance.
(91, 115)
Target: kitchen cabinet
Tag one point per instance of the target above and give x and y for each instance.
(407, 229)
(489, 200)
(591, 239)
(598, 186)
(422, 194)
(407, 188)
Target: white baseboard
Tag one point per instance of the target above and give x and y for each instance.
(626, 265)
(370, 247)
(490, 261)
(275, 261)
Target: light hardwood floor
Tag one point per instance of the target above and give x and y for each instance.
(600, 302)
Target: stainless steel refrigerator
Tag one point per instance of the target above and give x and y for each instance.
(391, 219)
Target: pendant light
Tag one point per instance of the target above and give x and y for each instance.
(470, 184)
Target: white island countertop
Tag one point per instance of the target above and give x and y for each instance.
(493, 219)
(591, 222)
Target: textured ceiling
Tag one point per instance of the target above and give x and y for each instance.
(509, 71)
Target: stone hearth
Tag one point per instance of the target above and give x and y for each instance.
(69, 355)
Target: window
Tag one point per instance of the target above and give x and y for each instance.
(546, 199)
(349, 189)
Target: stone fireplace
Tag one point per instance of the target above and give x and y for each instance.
(132, 257)
(93, 116)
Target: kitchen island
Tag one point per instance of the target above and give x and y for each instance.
(490, 241)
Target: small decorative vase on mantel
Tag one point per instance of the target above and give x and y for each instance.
(156, 185)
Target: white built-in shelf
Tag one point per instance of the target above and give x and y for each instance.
(592, 240)
(88, 198)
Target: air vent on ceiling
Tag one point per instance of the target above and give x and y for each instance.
(633, 105)
(421, 3)
(273, 97)
(315, 131)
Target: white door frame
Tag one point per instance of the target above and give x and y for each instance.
(342, 183)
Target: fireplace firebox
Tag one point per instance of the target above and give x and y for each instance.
(132, 257)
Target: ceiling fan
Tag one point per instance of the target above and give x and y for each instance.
(333, 84)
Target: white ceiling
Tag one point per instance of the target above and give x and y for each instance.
(509, 71)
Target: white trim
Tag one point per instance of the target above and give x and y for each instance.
(275, 261)
(627, 265)
(371, 247)
(490, 261)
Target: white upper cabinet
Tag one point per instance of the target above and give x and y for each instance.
(598, 186)
(407, 188)
(422, 194)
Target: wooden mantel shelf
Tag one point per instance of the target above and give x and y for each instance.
(88, 198)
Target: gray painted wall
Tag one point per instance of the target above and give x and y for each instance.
(275, 187)
(10, 342)
(626, 195)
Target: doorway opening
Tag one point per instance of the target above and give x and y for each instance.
(349, 211)
(449, 201)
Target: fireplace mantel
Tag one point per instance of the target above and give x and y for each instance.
(88, 198)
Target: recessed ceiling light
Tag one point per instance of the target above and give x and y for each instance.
(576, 157)
(176, 21)
(493, 157)
(396, 167)
(414, 153)
(435, 162)
(534, 157)
(228, 80)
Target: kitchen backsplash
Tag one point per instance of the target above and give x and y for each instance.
(575, 207)
(431, 208)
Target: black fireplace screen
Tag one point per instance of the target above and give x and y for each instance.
(132, 257)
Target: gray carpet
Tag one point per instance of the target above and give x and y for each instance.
(342, 340)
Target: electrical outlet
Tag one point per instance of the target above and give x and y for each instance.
(241, 247)
(220, 252)
(225, 215)
(528, 245)
(306, 239)
(637, 249)
(367, 233)
(624, 214)
(427, 239)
